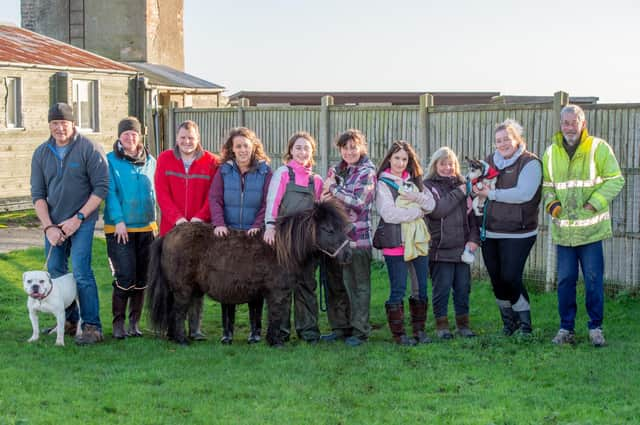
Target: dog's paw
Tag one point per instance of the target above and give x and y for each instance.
(33, 338)
(60, 343)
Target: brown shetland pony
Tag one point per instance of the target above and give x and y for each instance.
(190, 261)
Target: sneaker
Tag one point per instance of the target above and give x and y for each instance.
(353, 341)
(331, 337)
(90, 335)
(596, 337)
(444, 334)
(564, 337)
(421, 338)
(466, 333)
(197, 335)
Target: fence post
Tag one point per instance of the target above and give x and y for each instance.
(244, 103)
(170, 126)
(560, 99)
(324, 138)
(426, 102)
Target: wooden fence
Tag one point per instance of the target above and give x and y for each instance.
(468, 130)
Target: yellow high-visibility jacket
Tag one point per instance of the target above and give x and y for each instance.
(592, 176)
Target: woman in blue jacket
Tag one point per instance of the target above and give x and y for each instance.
(129, 224)
(237, 199)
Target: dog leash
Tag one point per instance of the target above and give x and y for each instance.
(46, 262)
(324, 284)
(483, 228)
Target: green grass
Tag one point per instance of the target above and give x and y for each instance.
(25, 218)
(486, 380)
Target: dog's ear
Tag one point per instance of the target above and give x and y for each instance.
(24, 276)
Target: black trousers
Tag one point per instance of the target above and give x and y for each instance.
(505, 260)
(129, 261)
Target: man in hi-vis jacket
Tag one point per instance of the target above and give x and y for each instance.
(581, 177)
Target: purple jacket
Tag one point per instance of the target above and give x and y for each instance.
(356, 190)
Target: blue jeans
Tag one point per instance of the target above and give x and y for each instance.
(398, 273)
(79, 247)
(444, 277)
(591, 261)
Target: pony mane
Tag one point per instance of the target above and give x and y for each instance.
(296, 234)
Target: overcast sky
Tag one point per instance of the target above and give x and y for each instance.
(587, 48)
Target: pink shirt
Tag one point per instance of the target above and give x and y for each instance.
(278, 186)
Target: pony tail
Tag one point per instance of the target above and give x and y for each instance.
(159, 298)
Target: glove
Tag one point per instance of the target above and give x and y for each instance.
(554, 209)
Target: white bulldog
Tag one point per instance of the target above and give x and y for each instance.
(50, 296)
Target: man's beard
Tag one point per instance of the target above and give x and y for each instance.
(572, 142)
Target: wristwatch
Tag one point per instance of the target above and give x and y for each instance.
(80, 216)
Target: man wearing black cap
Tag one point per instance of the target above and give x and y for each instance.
(69, 180)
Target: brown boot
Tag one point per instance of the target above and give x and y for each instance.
(395, 317)
(462, 323)
(442, 328)
(418, 311)
(119, 310)
(136, 302)
(90, 335)
(70, 328)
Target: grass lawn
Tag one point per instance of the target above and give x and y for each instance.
(486, 380)
(25, 218)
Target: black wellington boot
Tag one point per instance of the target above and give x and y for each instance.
(524, 317)
(228, 320)
(255, 319)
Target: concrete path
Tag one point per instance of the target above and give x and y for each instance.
(14, 238)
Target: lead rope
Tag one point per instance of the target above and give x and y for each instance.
(324, 282)
(46, 262)
(483, 228)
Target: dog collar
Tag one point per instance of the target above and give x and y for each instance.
(45, 295)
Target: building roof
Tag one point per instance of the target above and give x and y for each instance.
(341, 98)
(167, 78)
(580, 100)
(23, 47)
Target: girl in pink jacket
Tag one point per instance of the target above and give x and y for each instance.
(294, 187)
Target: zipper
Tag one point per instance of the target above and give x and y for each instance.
(186, 191)
(241, 198)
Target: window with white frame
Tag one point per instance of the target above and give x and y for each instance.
(13, 102)
(85, 104)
